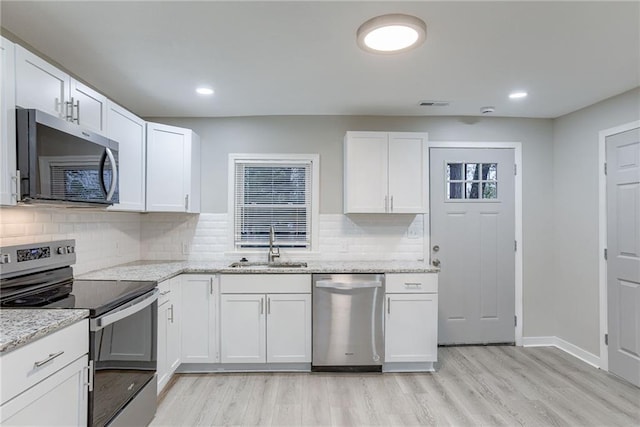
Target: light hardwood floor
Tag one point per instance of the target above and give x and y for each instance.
(492, 385)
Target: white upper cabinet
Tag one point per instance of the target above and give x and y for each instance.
(40, 85)
(8, 180)
(129, 131)
(385, 172)
(45, 87)
(87, 107)
(173, 169)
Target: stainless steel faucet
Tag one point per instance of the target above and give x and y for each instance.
(273, 252)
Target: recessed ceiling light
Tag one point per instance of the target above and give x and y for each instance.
(204, 91)
(392, 33)
(517, 95)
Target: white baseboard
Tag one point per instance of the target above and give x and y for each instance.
(563, 345)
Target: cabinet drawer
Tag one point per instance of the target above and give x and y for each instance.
(411, 283)
(19, 370)
(165, 292)
(265, 283)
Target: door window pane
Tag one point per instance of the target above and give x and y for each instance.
(472, 181)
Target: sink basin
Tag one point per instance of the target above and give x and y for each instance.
(246, 264)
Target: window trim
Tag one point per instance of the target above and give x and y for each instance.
(276, 157)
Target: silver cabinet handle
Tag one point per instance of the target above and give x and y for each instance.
(386, 203)
(211, 285)
(261, 305)
(391, 204)
(171, 309)
(165, 293)
(268, 305)
(77, 119)
(415, 284)
(388, 305)
(48, 359)
(186, 202)
(16, 178)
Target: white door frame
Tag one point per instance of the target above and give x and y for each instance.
(602, 234)
(517, 148)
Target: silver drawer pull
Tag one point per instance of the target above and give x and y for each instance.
(164, 293)
(417, 285)
(48, 359)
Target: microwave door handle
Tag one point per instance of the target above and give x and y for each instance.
(114, 174)
(133, 307)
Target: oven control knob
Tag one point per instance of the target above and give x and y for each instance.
(70, 249)
(5, 259)
(61, 250)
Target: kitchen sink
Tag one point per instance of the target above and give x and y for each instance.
(247, 264)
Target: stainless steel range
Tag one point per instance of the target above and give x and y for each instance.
(123, 326)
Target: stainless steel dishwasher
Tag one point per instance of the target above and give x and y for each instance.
(348, 322)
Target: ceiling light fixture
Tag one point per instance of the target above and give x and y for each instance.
(392, 33)
(204, 91)
(517, 95)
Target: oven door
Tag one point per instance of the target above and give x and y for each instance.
(124, 355)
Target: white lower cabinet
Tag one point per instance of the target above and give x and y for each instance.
(411, 318)
(168, 330)
(270, 327)
(199, 318)
(46, 381)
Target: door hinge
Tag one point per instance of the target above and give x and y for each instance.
(515, 169)
(606, 339)
(606, 254)
(515, 246)
(605, 168)
(515, 320)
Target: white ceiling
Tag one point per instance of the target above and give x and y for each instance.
(301, 57)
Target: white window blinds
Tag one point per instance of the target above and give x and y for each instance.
(272, 193)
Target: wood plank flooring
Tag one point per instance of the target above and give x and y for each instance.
(495, 385)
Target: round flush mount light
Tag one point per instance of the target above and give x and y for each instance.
(392, 33)
(204, 91)
(518, 95)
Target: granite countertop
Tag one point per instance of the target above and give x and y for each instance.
(21, 326)
(163, 270)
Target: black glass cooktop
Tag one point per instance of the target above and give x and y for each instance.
(101, 296)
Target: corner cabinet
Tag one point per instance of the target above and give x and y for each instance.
(8, 179)
(199, 323)
(173, 169)
(265, 318)
(411, 321)
(385, 172)
(129, 131)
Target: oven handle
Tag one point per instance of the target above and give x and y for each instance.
(126, 310)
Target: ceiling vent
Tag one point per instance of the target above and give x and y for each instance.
(434, 103)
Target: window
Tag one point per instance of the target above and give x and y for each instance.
(276, 191)
(472, 181)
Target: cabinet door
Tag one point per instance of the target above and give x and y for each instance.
(60, 400)
(198, 319)
(288, 328)
(39, 84)
(89, 107)
(365, 172)
(167, 168)
(242, 328)
(174, 315)
(411, 328)
(129, 131)
(163, 371)
(407, 173)
(8, 184)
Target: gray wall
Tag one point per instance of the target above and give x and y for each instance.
(575, 216)
(324, 135)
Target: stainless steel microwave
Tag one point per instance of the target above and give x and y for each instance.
(61, 162)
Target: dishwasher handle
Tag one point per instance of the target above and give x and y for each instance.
(348, 285)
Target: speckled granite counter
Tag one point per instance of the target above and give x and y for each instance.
(162, 270)
(19, 327)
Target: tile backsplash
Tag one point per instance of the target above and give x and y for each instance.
(105, 239)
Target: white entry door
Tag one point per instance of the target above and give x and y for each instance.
(473, 239)
(623, 246)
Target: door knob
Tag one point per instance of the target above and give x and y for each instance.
(436, 262)
(436, 248)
